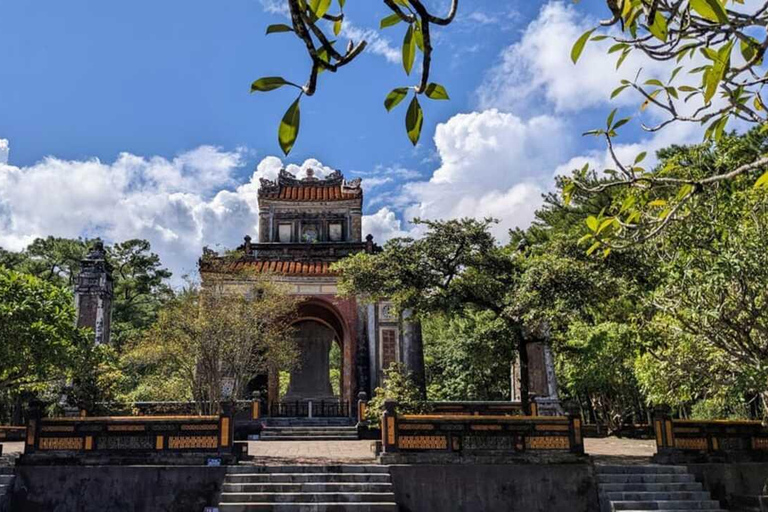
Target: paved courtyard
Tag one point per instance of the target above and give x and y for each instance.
(608, 450)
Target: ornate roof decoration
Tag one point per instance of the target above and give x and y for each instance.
(288, 187)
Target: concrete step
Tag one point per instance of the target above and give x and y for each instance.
(640, 469)
(277, 469)
(308, 487)
(306, 497)
(658, 496)
(624, 478)
(279, 478)
(309, 438)
(6, 470)
(665, 505)
(672, 487)
(310, 422)
(310, 507)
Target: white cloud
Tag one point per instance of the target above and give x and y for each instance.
(4, 150)
(539, 65)
(493, 164)
(178, 204)
(383, 225)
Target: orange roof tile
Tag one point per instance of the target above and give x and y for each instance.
(313, 193)
(293, 268)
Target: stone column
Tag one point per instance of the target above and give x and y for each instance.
(93, 294)
(413, 350)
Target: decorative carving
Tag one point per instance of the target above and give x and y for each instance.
(61, 443)
(186, 442)
(126, 428)
(416, 426)
(485, 427)
(548, 443)
(423, 442)
(124, 443)
(57, 428)
(225, 431)
(758, 443)
(691, 443)
(199, 427)
(489, 443)
(391, 431)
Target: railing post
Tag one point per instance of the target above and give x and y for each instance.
(662, 426)
(226, 426)
(574, 427)
(389, 427)
(309, 408)
(361, 406)
(256, 406)
(33, 426)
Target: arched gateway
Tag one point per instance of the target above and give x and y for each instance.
(305, 225)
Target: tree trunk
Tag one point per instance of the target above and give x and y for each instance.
(522, 353)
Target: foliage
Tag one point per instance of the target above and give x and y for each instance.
(205, 336)
(307, 25)
(467, 357)
(719, 78)
(398, 386)
(37, 331)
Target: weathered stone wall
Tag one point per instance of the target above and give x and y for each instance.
(726, 480)
(496, 488)
(123, 488)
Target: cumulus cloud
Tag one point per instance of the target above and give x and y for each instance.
(178, 204)
(4, 150)
(540, 65)
(492, 164)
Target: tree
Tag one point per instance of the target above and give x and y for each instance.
(205, 336)
(308, 19)
(714, 39)
(456, 267)
(398, 386)
(37, 331)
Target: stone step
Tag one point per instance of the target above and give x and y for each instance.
(306, 497)
(625, 478)
(670, 487)
(309, 422)
(310, 487)
(6, 470)
(310, 438)
(277, 469)
(257, 478)
(658, 496)
(312, 428)
(310, 507)
(665, 505)
(5, 479)
(640, 469)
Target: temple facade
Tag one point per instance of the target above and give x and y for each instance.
(305, 225)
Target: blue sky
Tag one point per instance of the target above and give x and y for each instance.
(135, 120)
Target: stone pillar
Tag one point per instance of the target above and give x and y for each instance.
(542, 378)
(356, 224)
(413, 350)
(93, 294)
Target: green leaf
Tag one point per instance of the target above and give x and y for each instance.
(342, 3)
(620, 123)
(320, 7)
(418, 37)
(592, 223)
(279, 27)
(710, 9)
(609, 121)
(395, 97)
(336, 27)
(595, 246)
(762, 181)
(657, 202)
(389, 21)
(605, 224)
(409, 50)
(640, 157)
(436, 92)
(269, 83)
(583, 239)
(659, 27)
(578, 46)
(289, 127)
(414, 120)
(618, 91)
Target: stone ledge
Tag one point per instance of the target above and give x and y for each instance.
(542, 458)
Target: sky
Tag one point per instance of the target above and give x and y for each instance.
(134, 120)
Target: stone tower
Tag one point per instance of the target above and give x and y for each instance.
(93, 294)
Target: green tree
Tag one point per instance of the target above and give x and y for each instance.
(206, 336)
(37, 331)
(398, 386)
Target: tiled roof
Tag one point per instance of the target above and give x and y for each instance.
(293, 268)
(313, 193)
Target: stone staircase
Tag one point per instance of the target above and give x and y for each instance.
(6, 484)
(358, 488)
(651, 487)
(309, 429)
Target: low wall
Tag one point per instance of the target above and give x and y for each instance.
(123, 488)
(726, 480)
(491, 488)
